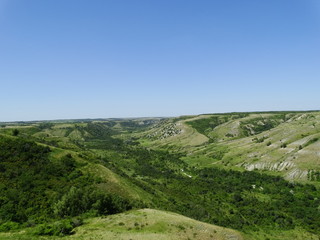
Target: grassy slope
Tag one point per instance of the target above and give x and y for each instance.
(141, 225)
(149, 224)
(110, 181)
(113, 183)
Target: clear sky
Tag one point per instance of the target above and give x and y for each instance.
(62, 59)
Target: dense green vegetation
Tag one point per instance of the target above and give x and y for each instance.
(208, 124)
(240, 200)
(247, 200)
(205, 124)
(261, 124)
(34, 189)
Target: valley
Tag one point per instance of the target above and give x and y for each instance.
(213, 176)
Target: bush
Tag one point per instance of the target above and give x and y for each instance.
(76, 222)
(78, 201)
(15, 132)
(8, 226)
(71, 204)
(283, 145)
(60, 228)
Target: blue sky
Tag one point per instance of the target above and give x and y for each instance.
(62, 59)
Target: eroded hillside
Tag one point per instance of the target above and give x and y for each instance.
(282, 142)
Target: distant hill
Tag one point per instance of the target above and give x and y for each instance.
(286, 143)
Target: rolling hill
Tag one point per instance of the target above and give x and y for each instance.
(142, 225)
(285, 143)
(257, 173)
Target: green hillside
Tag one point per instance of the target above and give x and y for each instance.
(66, 177)
(36, 188)
(284, 143)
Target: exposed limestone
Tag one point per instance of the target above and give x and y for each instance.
(168, 130)
(297, 174)
(281, 166)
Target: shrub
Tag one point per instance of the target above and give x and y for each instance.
(76, 221)
(7, 226)
(283, 145)
(15, 132)
(78, 201)
(181, 227)
(60, 228)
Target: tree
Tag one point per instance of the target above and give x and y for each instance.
(15, 132)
